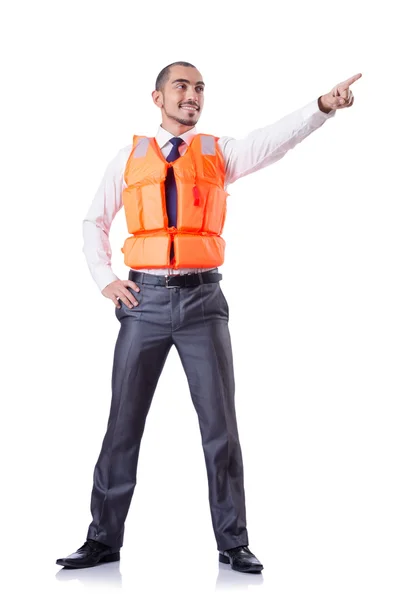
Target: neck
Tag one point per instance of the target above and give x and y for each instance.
(175, 128)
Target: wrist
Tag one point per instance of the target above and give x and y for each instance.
(322, 105)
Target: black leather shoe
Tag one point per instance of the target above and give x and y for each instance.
(90, 554)
(241, 559)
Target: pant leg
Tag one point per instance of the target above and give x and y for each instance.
(204, 346)
(141, 349)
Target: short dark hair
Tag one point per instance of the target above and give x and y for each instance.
(164, 74)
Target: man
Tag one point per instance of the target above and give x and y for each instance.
(173, 188)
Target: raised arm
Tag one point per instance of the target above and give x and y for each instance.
(264, 146)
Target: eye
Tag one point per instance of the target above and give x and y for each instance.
(200, 88)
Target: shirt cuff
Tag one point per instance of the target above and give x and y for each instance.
(313, 111)
(103, 276)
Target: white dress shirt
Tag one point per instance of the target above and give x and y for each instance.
(257, 150)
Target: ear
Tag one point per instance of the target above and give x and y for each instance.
(157, 98)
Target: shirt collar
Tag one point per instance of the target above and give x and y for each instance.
(163, 136)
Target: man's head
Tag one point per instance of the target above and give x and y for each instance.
(179, 94)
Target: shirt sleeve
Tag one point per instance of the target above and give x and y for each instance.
(96, 224)
(264, 146)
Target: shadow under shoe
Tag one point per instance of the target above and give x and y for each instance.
(90, 554)
(241, 559)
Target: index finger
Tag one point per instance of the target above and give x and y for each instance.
(345, 84)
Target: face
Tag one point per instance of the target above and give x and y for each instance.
(182, 99)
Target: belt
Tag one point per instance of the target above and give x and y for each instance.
(170, 281)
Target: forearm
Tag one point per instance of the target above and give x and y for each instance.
(98, 253)
(262, 147)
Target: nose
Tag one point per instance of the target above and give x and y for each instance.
(193, 97)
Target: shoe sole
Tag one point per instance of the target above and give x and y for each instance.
(226, 561)
(106, 559)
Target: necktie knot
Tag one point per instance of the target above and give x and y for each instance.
(176, 141)
(174, 154)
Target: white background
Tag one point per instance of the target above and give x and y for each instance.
(310, 278)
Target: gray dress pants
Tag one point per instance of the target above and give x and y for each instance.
(195, 319)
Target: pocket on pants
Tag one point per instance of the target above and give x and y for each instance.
(126, 311)
(223, 298)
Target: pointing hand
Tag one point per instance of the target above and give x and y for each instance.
(340, 96)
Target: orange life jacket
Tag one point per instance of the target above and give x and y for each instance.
(201, 206)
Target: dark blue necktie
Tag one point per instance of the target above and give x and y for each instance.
(170, 186)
